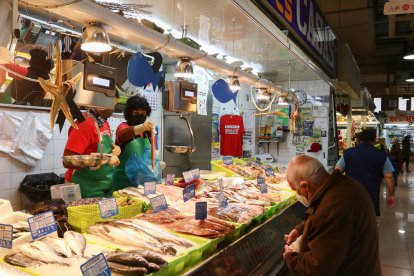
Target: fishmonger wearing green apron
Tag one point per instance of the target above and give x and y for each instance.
(132, 136)
(94, 182)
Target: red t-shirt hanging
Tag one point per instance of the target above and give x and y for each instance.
(231, 135)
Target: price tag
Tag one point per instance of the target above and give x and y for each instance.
(169, 180)
(108, 207)
(195, 173)
(269, 172)
(222, 200)
(150, 188)
(262, 184)
(96, 266)
(188, 176)
(42, 224)
(221, 185)
(158, 203)
(200, 210)
(228, 160)
(6, 236)
(188, 192)
(258, 160)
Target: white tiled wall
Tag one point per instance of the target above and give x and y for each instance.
(286, 149)
(12, 172)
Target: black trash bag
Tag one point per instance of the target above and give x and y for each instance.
(36, 187)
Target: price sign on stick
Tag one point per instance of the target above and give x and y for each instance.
(262, 184)
(158, 203)
(150, 188)
(269, 172)
(222, 200)
(221, 185)
(96, 266)
(108, 207)
(42, 224)
(188, 176)
(169, 180)
(188, 193)
(200, 210)
(228, 160)
(6, 236)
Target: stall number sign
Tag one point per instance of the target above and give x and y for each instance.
(42, 224)
(228, 160)
(169, 180)
(262, 184)
(221, 185)
(188, 193)
(6, 236)
(158, 203)
(200, 210)
(108, 207)
(96, 266)
(150, 188)
(222, 200)
(269, 172)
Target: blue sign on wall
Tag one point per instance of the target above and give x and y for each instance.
(306, 21)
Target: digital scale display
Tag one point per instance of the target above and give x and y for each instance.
(100, 81)
(189, 93)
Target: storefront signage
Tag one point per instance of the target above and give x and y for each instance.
(228, 160)
(96, 266)
(262, 184)
(222, 200)
(188, 193)
(108, 207)
(158, 203)
(402, 118)
(200, 210)
(399, 7)
(6, 236)
(269, 172)
(42, 224)
(306, 21)
(169, 179)
(150, 188)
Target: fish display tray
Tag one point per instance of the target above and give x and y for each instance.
(218, 166)
(81, 217)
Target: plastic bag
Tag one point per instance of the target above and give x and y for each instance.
(139, 169)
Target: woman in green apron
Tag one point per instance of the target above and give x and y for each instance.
(132, 136)
(94, 182)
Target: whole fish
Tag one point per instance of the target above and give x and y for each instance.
(40, 251)
(152, 267)
(59, 245)
(8, 270)
(150, 256)
(120, 268)
(121, 235)
(75, 241)
(125, 258)
(20, 259)
(158, 232)
(147, 237)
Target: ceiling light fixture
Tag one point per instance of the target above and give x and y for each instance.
(184, 68)
(406, 97)
(410, 77)
(95, 39)
(409, 56)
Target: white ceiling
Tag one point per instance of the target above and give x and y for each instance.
(211, 24)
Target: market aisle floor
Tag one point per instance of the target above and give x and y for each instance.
(396, 232)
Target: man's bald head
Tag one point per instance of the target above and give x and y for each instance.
(305, 168)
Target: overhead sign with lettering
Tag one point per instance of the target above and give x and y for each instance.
(306, 22)
(399, 7)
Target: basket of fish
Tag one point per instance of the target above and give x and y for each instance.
(81, 216)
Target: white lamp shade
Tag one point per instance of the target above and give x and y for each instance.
(234, 83)
(95, 39)
(184, 69)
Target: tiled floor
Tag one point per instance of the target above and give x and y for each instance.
(396, 231)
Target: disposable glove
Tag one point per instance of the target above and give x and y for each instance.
(114, 161)
(116, 150)
(147, 126)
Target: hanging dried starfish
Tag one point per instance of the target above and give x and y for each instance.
(59, 90)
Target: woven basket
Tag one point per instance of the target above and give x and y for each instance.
(81, 217)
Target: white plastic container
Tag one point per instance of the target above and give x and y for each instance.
(67, 191)
(5, 208)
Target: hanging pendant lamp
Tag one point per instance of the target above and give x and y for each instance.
(184, 68)
(95, 39)
(234, 84)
